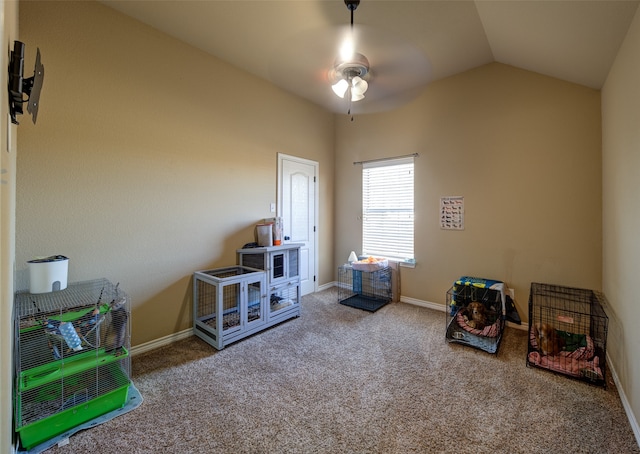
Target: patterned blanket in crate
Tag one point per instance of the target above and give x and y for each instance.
(578, 362)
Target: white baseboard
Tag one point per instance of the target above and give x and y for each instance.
(161, 342)
(443, 308)
(625, 402)
(523, 326)
(327, 286)
(422, 303)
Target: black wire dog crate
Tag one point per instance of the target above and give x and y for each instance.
(476, 313)
(568, 332)
(367, 290)
(71, 358)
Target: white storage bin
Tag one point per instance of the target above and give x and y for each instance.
(48, 274)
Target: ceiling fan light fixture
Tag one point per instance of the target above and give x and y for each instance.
(353, 83)
(350, 74)
(340, 87)
(356, 86)
(356, 96)
(359, 86)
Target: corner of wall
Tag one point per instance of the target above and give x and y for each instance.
(9, 28)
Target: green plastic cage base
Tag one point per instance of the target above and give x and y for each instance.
(38, 432)
(56, 370)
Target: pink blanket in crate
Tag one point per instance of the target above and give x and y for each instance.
(576, 363)
(568, 365)
(487, 331)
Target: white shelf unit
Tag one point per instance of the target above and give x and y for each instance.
(282, 267)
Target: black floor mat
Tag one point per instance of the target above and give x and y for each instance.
(364, 302)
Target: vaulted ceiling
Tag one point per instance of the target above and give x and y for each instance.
(293, 44)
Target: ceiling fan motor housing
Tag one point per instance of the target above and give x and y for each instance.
(357, 66)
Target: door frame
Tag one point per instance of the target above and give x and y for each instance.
(316, 203)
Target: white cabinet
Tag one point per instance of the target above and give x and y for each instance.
(282, 266)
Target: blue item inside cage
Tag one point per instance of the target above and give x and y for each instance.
(357, 281)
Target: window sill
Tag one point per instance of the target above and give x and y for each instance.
(407, 264)
(403, 264)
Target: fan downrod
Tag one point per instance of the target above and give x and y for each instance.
(351, 6)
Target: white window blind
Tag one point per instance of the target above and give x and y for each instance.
(387, 209)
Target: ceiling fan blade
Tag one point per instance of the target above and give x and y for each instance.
(307, 53)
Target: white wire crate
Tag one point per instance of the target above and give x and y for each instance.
(72, 360)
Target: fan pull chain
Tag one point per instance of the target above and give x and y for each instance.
(348, 95)
(350, 82)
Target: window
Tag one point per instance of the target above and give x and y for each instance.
(387, 209)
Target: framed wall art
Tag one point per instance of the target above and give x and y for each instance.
(452, 213)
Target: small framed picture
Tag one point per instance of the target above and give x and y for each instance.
(452, 213)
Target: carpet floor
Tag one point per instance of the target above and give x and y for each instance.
(342, 380)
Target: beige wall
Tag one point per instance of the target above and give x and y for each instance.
(524, 152)
(151, 160)
(621, 212)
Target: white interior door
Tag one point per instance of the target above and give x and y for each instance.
(297, 204)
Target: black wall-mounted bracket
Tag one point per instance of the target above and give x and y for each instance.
(19, 87)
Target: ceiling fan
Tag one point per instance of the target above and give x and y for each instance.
(350, 68)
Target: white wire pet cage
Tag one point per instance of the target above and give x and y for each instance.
(72, 360)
